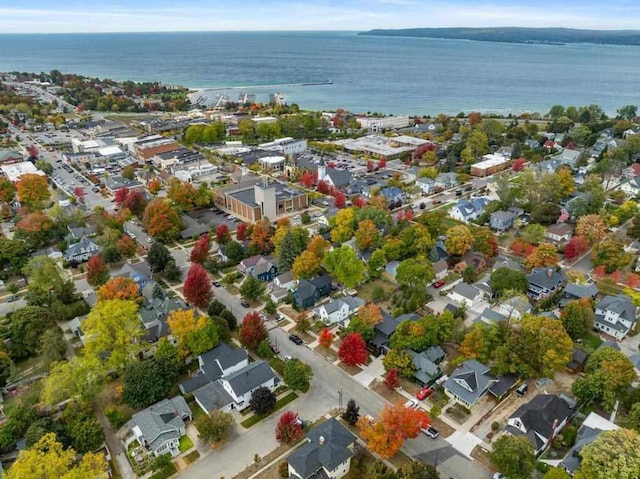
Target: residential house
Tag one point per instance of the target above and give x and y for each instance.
(505, 262)
(567, 157)
(559, 232)
(515, 307)
(81, 251)
(544, 282)
(155, 311)
(140, 273)
(446, 180)
(469, 383)
(464, 293)
(233, 390)
(435, 354)
(469, 210)
(160, 426)
(339, 310)
(426, 371)
(427, 185)
(395, 196)
(281, 286)
(575, 291)
(616, 315)
(490, 316)
(214, 364)
(327, 454)
(540, 420)
(589, 431)
(440, 268)
(261, 267)
(475, 260)
(382, 334)
(308, 292)
(192, 228)
(632, 186)
(501, 220)
(77, 232)
(285, 280)
(391, 268)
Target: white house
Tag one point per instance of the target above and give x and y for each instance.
(540, 420)
(339, 310)
(160, 427)
(589, 431)
(464, 293)
(631, 187)
(468, 210)
(81, 251)
(616, 315)
(327, 454)
(559, 232)
(514, 307)
(469, 383)
(426, 185)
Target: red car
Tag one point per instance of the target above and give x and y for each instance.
(424, 393)
(438, 284)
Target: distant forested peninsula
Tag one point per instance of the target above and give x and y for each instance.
(554, 36)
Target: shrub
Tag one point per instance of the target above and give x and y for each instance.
(115, 417)
(495, 425)
(283, 469)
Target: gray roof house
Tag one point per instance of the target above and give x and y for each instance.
(339, 310)
(502, 220)
(469, 382)
(213, 364)
(589, 431)
(543, 282)
(468, 210)
(160, 426)
(327, 454)
(233, 390)
(427, 372)
(616, 315)
(574, 291)
(81, 251)
(466, 293)
(540, 420)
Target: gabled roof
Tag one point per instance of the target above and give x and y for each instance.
(328, 447)
(620, 305)
(589, 290)
(77, 248)
(250, 377)
(466, 290)
(213, 364)
(589, 431)
(161, 421)
(547, 278)
(212, 396)
(470, 381)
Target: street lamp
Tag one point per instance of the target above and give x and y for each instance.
(339, 399)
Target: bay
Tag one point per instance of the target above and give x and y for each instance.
(384, 74)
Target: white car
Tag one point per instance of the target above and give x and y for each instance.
(411, 404)
(499, 475)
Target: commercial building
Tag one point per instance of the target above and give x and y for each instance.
(149, 147)
(385, 123)
(13, 171)
(286, 146)
(252, 200)
(489, 165)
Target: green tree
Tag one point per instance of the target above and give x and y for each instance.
(146, 382)
(376, 263)
(357, 325)
(578, 317)
(400, 360)
(297, 375)
(80, 377)
(113, 327)
(514, 455)
(85, 432)
(504, 279)
(612, 454)
(413, 276)
(611, 254)
(252, 288)
(26, 327)
(417, 470)
(215, 427)
(263, 401)
(293, 243)
(52, 346)
(344, 264)
(158, 257)
(533, 233)
(556, 473)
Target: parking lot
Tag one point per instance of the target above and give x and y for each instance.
(213, 217)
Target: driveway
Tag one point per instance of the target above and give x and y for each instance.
(6, 308)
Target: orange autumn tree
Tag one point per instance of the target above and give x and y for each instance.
(397, 423)
(370, 314)
(119, 288)
(33, 190)
(325, 338)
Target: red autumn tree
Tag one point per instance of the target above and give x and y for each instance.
(252, 331)
(360, 202)
(97, 271)
(616, 276)
(475, 117)
(306, 179)
(408, 215)
(241, 232)
(119, 288)
(382, 163)
(127, 246)
(518, 165)
(136, 203)
(79, 193)
(599, 271)
(121, 196)
(370, 166)
(633, 280)
(323, 187)
(289, 428)
(200, 251)
(325, 338)
(577, 246)
(391, 380)
(33, 151)
(353, 350)
(197, 289)
(400, 216)
(340, 201)
(222, 234)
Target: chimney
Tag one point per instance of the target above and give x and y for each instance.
(549, 272)
(321, 440)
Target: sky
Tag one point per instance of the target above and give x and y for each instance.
(65, 16)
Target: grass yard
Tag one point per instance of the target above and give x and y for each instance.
(185, 444)
(277, 365)
(328, 353)
(352, 370)
(280, 403)
(591, 341)
(192, 457)
(366, 290)
(165, 473)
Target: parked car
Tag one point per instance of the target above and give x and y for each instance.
(438, 284)
(424, 393)
(274, 348)
(522, 389)
(264, 317)
(296, 339)
(431, 432)
(244, 304)
(411, 404)
(278, 318)
(13, 298)
(216, 283)
(498, 475)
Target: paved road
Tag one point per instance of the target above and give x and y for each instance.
(6, 308)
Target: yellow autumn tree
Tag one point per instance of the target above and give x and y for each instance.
(195, 334)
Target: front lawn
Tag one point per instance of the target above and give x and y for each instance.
(280, 403)
(591, 341)
(185, 444)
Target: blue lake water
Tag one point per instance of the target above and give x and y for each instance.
(384, 74)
